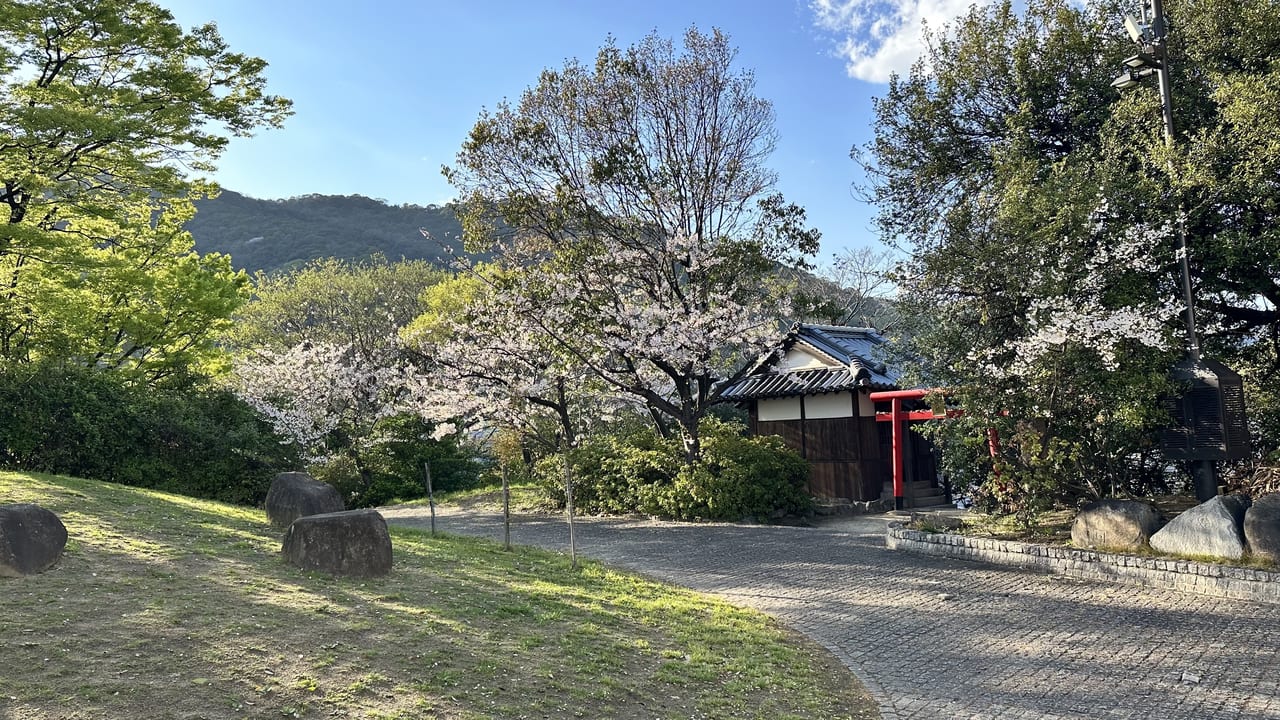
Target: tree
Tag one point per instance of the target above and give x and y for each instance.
(634, 196)
(490, 366)
(104, 107)
(333, 403)
(1037, 204)
(318, 354)
(325, 398)
(856, 288)
(144, 303)
(361, 303)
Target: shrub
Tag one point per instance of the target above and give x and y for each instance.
(181, 438)
(393, 465)
(202, 442)
(636, 470)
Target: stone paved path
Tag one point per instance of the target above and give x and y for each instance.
(1010, 644)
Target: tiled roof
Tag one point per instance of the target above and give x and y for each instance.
(857, 349)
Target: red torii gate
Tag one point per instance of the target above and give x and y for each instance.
(899, 418)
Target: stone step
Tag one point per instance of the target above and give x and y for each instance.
(929, 501)
(915, 484)
(934, 499)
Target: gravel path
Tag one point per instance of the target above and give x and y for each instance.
(937, 638)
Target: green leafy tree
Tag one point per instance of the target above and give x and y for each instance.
(105, 109)
(1037, 205)
(361, 303)
(144, 303)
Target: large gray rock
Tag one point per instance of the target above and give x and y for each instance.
(354, 543)
(1262, 527)
(296, 494)
(1114, 524)
(1210, 528)
(31, 539)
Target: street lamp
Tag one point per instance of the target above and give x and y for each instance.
(1209, 418)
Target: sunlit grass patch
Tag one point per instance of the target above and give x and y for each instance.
(166, 606)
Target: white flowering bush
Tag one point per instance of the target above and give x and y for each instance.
(345, 411)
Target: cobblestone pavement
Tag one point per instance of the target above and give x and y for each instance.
(1006, 644)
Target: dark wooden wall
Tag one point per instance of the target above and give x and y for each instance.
(845, 459)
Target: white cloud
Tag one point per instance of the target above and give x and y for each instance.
(879, 37)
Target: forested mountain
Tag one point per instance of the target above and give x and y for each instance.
(273, 235)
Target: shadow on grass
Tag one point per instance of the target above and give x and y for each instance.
(164, 606)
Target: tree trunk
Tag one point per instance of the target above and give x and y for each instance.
(659, 422)
(562, 410)
(692, 440)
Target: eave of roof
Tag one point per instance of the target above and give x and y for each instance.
(805, 382)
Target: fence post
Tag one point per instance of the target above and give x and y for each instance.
(506, 510)
(431, 495)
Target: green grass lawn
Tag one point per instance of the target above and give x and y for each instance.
(168, 607)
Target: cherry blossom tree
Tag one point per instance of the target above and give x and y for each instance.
(634, 197)
(493, 366)
(314, 391)
(490, 366)
(319, 355)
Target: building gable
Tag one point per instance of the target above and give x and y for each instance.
(804, 357)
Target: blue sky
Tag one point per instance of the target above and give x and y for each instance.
(385, 91)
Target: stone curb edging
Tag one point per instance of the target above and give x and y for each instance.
(1170, 573)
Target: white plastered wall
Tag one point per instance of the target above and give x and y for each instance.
(778, 409)
(866, 408)
(830, 405)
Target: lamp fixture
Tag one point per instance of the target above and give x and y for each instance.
(1136, 31)
(1130, 78)
(1141, 60)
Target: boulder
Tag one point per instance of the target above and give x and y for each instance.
(31, 539)
(1262, 527)
(297, 494)
(1114, 524)
(353, 543)
(1210, 528)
